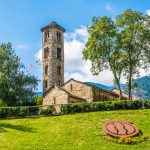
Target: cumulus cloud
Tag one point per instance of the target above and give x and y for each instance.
(38, 55)
(22, 46)
(75, 66)
(110, 8)
(148, 12)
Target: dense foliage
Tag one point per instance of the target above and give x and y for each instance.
(16, 88)
(99, 106)
(120, 45)
(72, 108)
(38, 100)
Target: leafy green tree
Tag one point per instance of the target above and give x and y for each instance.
(135, 43)
(38, 100)
(103, 48)
(16, 88)
(121, 45)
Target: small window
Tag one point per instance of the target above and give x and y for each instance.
(71, 87)
(54, 100)
(46, 35)
(46, 53)
(58, 37)
(46, 69)
(46, 84)
(58, 70)
(59, 53)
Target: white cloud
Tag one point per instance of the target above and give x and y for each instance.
(22, 46)
(148, 12)
(75, 66)
(38, 55)
(108, 7)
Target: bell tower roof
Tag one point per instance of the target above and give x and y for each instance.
(53, 25)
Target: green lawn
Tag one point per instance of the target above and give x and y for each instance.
(69, 132)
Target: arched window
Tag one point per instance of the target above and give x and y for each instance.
(46, 35)
(46, 53)
(54, 100)
(71, 87)
(58, 70)
(46, 69)
(46, 84)
(58, 37)
(59, 53)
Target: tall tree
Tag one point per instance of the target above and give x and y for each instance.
(103, 48)
(135, 43)
(16, 88)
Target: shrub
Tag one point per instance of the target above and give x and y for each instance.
(33, 111)
(3, 112)
(86, 107)
(38, 100)
(147, 104)
(98, 106)
(66, 108)
(23, 111)
(46, 110)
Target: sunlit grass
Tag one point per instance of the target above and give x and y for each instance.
(69, 132)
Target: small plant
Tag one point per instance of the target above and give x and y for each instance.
(127, 140)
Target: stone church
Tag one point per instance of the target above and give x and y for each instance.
(55, 91)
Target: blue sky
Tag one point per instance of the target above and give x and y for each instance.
(21, 21)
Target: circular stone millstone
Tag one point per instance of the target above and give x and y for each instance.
(120, 129)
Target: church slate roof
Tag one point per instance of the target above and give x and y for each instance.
(109, 88)
(53, 25)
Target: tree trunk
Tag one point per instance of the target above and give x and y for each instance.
(118, 84)
(120, 92)
(129, 85)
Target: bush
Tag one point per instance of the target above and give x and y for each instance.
(46, 110)
(24, 111)
(38, 100)
(33, 110)
(147, 104)
(13, 111)
(73, 108)
(98, 106)
(3, 112)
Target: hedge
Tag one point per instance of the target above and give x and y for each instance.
(25, 111)
(99, 106)
(73, 108)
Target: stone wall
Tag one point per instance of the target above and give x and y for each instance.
(52, 61)
(56, 96)
(101, 95)
(79, 89)
(125, 96)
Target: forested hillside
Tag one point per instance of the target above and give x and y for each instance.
(142, 91)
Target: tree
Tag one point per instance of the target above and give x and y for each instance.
(103, 48)
(135, 43)
(123, 45)
(38, 100)
(16, 88)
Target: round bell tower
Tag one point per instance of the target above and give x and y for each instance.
(52, 55)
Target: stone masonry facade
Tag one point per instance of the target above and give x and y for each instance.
(52, 55)
(54, 90)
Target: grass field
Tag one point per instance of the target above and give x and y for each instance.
(70, 132)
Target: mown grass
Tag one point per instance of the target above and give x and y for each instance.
(70, 132)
